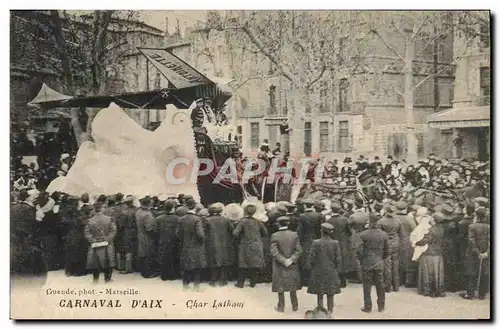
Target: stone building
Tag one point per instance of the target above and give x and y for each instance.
(464, 130)
(343, 114)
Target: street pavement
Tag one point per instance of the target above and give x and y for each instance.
(29, 300)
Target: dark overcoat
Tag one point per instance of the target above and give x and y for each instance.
(249, 232)
(127, 231)
(357, 223)
(341, 233)
(76, 243)
(192, 238)
(373, 249)
(285, 245)
(100, 228)
(219, 241)
(324, 261)
(479, 242)
(394, 229)
(309, 229)
(146, 244)
(26, 257)
(167, 226)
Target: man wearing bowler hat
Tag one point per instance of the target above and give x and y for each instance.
(286, 251)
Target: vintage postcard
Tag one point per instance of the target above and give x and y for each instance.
(250, 164)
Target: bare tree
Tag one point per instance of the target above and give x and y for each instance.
(433, 31)
(79, 49)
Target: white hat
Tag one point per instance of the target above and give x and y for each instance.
(64, 156)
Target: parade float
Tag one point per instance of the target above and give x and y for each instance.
(125, 158)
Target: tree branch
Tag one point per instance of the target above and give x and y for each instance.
(387, 44)
(432, 75)
(415, 33)
(286, 73)
(320, 75)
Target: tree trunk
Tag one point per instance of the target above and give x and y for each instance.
(411, 152)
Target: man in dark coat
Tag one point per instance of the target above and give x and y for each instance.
(167, 226)
(26, 258)
(325, 259)
(371, 252)
(462, 246)
(219, 242)
(396, 233)
(114, 210)
(249, 232)
(357, 223)
(146, 239)
(127, 235)
(407, 269)
(478, 256)
(100, 232)
(286, 252)
(76, 246)
(192, 239)
(308, 229)
(341, 233)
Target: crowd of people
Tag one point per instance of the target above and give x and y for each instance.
(414, 237)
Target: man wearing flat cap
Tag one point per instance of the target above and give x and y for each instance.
(286, 251)
(219, 245)
(325, 259)
(308, 229)
(341, 234)
(371, 252)
(394, 229)
(100, 232)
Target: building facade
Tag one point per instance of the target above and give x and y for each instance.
(464, 130)
(346, 112)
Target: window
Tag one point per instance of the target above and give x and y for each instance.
(307, 139)
(485, 35)
(323, 98)
(254, 135)
(484, 82)
(239, 137)
(420, 145)
(424, 94)
(344, 136)
(343, 95)
(323, 136)
(445, 92)
(272, 100)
